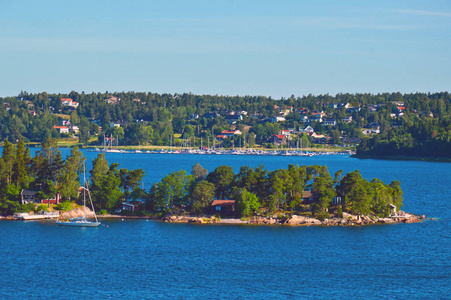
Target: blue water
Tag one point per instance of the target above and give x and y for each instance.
(147, 259)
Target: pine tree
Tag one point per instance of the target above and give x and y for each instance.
(19, 176)
(8, 158)
(69, 180)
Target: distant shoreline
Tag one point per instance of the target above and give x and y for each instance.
(402, 157)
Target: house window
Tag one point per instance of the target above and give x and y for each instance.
(218, 207)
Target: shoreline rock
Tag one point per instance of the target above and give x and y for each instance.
(77, 212)
(296, 220)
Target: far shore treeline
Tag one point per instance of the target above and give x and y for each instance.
(256, 190)
(385, 124)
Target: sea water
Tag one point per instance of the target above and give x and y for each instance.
(141, 259)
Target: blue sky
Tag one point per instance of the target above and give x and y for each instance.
(270, 48)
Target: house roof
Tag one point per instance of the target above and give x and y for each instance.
(28, 192)
(132, 204)
(223, 202)
(308, 194)
(229, 131)
(280, 136)
(66, 99)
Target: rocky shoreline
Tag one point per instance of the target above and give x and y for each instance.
(296, 220)
(293, 220)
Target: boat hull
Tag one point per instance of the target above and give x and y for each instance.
(79, 224)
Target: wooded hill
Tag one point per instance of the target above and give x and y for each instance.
(400, 123)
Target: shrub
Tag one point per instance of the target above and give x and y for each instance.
(65, 206)
(26, 207)
(340, 212)
(42, 207)
(322, 216)
(103, 212)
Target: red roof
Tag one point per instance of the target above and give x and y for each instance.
(66, 99)
(229, 131)
(279, 136)
(401, 107)
(223, 202)
(221, 136)
(61, 127)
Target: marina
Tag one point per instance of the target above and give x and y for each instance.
(227, 152)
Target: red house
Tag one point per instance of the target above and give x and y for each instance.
(278, 139)
(56, 200)
(223, 207)
(308, 197)
(131, 206)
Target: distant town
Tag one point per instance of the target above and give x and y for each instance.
(228, 122)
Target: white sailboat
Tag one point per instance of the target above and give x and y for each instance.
(82, 221)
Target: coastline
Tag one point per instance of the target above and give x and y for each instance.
(293, 220)
(402, 157)
(296, 220)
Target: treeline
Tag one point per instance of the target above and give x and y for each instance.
(48, 174)
(260, 192)
(425, 138)
(151, 118)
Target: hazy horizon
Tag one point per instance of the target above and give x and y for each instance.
(268, 48)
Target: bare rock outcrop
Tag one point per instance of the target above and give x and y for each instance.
(77, 212)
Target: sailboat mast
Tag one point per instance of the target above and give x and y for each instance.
(84, 191)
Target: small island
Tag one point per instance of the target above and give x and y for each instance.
(298, 195)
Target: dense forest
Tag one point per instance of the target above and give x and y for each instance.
(410, 124)
(260, 192)
(49, 175)
(424, 138)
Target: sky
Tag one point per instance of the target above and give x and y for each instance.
(234, 47)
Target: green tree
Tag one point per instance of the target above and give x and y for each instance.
(99, 169)
(251, 139)
(130, 180)
(223, 179)
(246, 204)
(295, 185)
(19, 168)
(171, 192)
(202, 196)
(277, 195)
(69, 180)
(199, 172)
(8, 159)
(106, 192)
(355, 189)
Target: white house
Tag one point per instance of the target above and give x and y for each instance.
(62, 129)
(330, 122)
(231, 132)
(347, 119)
(307, 129)
(277, 119)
